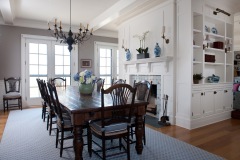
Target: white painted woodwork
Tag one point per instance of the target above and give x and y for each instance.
(152, 21)
(204, 103)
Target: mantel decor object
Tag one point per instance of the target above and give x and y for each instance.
(157, 50)
(143, 52)
(128, 55)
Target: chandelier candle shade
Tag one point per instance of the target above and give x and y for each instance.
(83, 35)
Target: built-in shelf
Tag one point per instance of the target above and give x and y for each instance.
(197, 62)
(148, 61)
(196, 31)
(214, 35)
(215, 49)
(196, 46)
(214, 64)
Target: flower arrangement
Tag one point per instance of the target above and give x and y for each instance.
(84, 77)
(142, 38)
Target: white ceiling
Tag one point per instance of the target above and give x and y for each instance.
(102, 15)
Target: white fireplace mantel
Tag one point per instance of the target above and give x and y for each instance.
(148, 61)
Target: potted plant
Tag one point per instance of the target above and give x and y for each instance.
(197, 77)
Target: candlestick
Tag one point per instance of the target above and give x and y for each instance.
(163, 29)
(55, 21)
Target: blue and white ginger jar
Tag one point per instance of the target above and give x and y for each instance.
(157, 50)
(128, 55)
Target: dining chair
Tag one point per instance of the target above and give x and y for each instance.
(143, 91)
(117, 124)
(63, 124)
(59, 81)
(51, 116)
(100, 84)
(44, 103)
(12, 89)
(118, 81)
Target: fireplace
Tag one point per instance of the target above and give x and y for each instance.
(154, 106)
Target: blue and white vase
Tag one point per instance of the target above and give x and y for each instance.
(157, 50)
(128, 55)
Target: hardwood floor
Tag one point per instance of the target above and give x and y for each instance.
(222, 138)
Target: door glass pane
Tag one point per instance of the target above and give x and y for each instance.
(37, 66)
(33, 69)
(43, 70)
(43, 48)
(58, 49)
(43, 59)
(33, 58)
(66, 70)
(33, 48)
(58, 60)
(67, 60)
(58, 70)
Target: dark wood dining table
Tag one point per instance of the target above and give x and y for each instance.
(85, 108)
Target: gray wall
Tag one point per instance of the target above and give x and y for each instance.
(10, 48)
(86, 50)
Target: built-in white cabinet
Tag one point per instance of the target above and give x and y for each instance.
(209, 51)
(208, 100)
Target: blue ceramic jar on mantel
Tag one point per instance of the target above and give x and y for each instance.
(157, 50)
(128, 55)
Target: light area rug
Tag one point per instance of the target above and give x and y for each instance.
(25, 138)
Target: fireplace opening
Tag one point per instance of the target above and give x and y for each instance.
(152, 107)
(154, 91)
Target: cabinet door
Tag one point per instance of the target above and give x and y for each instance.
(208, 103)
(197, 110)
(218, 100)
(228, 99)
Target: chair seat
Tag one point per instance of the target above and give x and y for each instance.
(110, 129)
(12, 95)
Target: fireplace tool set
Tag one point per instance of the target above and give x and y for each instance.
(164, 118)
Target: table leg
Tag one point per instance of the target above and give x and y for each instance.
(139, 134)
(78, 142)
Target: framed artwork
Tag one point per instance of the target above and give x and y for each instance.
(86, 63)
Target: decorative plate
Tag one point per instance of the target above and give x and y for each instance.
(214, 30)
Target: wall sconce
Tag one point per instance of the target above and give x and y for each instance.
(163, 31)
(125, 49)
(163, 36)
(207, 39)
(221, 11)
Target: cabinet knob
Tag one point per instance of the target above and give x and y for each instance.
(201, 94)
(215, 92)
(225, 91)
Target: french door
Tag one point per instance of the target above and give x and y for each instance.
(44, 59)
(106, 55)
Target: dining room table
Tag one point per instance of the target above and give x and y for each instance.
(84, 108)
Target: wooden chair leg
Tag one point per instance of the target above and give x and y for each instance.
(103, 149)
(128, 147)
(57, 134)
(48, 121)
(4, 105)
(50, 125)
(89, 137)
(62, 137)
